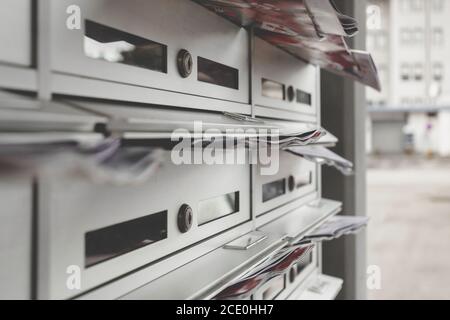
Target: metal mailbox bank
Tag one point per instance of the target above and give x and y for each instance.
(169, 149)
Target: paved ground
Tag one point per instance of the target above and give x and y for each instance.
(409, 234)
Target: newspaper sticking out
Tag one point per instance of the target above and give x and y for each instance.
(335, 228)
(312, 30)
(322, 155)
(273, 266)
(266, 135)
(106, 161)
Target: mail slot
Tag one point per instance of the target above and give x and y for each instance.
(296, 178)
(285, 88)
(15, 32)
(109, 230)
(156, 44)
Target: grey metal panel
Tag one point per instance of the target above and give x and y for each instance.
(15, 236)
(289, 165)
(71, 205)
(275, 286)
(286, 208)
(274, 64)
(177, 24)
(18, 78)
(25, 113)
(126, 118)
(162, 122)
(190, 282)
(43, 49)
(142, 277)
(78, 86)
(298, 222)
(332, 287)
(294, 294)
(15, 32)
(300, 278)
(29, 138)
(388, 137)
(272, 112)
(205, 277)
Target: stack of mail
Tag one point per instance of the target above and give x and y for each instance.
(322, 155)
(261, 134)
(312, 30)
(291, 138)
(270, 268)
(335, 228)
(101, 160)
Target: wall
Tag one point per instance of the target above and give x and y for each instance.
(344, 114)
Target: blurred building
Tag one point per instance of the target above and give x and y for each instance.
(410, 44)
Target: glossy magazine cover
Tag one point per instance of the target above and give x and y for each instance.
(312, 30)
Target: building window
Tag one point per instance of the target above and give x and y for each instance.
(437, 36)
(437, 5)
(438, 71)
(415, 36)
(405, 72)
(417, 5)
(405, 36)
(405, 102)
(412, 5)
(418, 101)
(418, 72)
(418, 36)
(405, 5)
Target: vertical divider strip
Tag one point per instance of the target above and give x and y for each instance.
(43, 49)
(34, 239)
(251, 51)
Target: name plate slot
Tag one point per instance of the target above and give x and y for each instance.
(273, 190)
(216, 73)
(304, 97)
(303, 180)
(272, 89)
(216, 208)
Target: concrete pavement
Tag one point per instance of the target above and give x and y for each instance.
(409, 233)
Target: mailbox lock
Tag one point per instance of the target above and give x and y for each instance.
(291, 183)
(185, 218)
(290, 93)
(184, 63)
